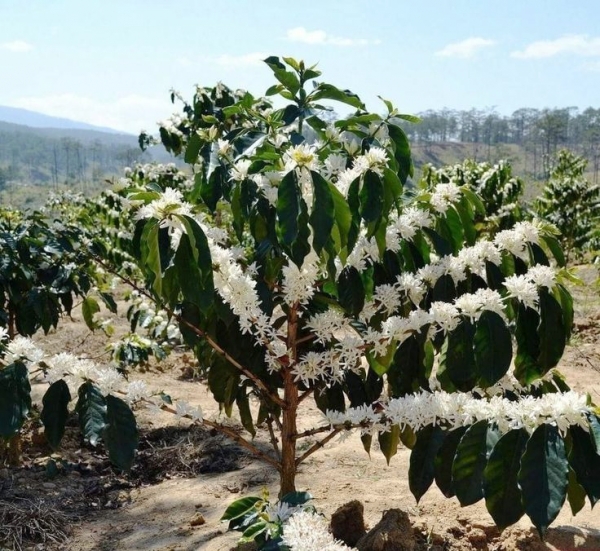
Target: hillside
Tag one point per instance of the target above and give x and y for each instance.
(24, 117)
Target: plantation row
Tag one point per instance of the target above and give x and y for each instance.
(430, 315)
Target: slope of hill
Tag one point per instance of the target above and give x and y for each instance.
(33, 119)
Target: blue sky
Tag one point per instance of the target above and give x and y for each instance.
(112, 63)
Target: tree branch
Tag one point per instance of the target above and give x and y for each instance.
(317, 446)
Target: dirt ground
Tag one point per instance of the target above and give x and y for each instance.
(185, 476)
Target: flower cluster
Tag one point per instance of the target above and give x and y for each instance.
(453, 410)
(307, 531)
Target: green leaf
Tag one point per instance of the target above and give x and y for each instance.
(351, 291)
(471, 458)
(401, 152)
(288, 209)
(192, 150)
(554, 245)
(444, 460)
(243, 405)
(343, 216)
(527, 369)
(575, 493)
(211, 188)
(421, 471)
(500, 479)
(493, 348)
(15, 398)
(91, 409)
(594, 424)
(55, 410)
(253, 531)
(240, 507)
(552, 333)
(327, 91)
(287, 78)
(585, 462)
(195, 267)
(457, 358)
(323, 212)
(388, 442)
(120, 433)
(89, 307)
(543, 476)
(296, 498)
(371, 197)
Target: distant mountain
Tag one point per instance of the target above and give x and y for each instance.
(25, 117)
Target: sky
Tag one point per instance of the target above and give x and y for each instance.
(113, 62)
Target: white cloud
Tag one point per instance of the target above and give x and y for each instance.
(466, 48)
(17, 46)
(591, 66)
(300, 34)
(237, 61)
(577, 44)
(130, 113)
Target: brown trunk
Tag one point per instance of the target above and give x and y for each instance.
(288, 426)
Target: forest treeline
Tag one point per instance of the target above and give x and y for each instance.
(539, 132)
(53, 157)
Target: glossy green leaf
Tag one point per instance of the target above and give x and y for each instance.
(421, 471)
(288, 209)
(388, 442)
(351, 291)
(444, 460)
(120, 433)
(471, 458)
(500, 479)
(89, 307)
(243, 405)
(594, 424)
(371, 197)
(327, 91)
(323, 212)
(585, 462)
(193, 149)
(493, 348)
(527, 369)
(240, 507)
(55, 411)
(294, 499)
(401, 152)
(457, 359)
(543, 476)
(551, 331)
(91, 409)
(15, 398)
(575, 493)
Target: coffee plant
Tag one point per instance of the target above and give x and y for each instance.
(572, 204)
(299, 270)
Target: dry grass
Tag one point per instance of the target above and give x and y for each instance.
(24, 522)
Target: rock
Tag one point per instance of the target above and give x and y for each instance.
(49, 485)
(348, 523)
(197, 520)
(4, 475)
(393, 533)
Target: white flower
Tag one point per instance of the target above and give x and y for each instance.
(301, 156)
(375, 159)
(137, 390)
(280, 511)
(332, 133)
(223, 147)
(23, 349)
(240, 169)
(443, 196)
(542, 276)
(523, 289)
(108, 380)
(445, 315)
(350, 142)
(334, 164)
(298, 283)
(305, 531)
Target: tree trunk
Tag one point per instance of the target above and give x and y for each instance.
(289, 430)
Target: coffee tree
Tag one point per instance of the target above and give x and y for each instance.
(301, 271)
(495, 185)
(571, 203)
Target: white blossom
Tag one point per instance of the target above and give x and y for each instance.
(443, 196)
(306, 531)
(523, 289)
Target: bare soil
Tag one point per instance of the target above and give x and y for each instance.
(185, 476)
